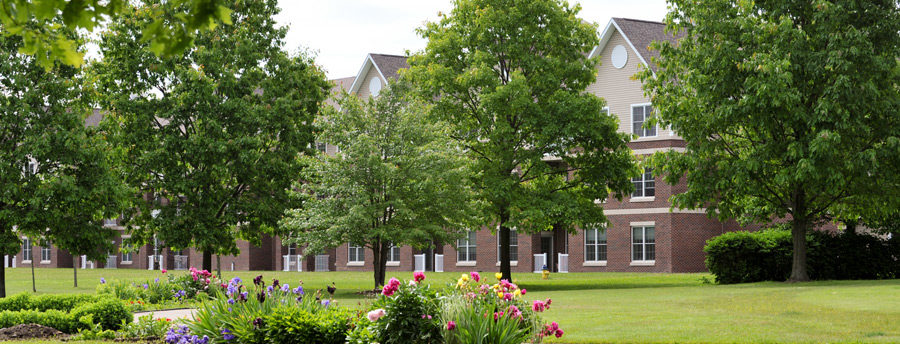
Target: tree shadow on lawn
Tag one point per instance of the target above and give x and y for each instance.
(551, 286)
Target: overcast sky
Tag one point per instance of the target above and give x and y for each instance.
(342, 32)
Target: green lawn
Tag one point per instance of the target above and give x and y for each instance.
(628, 308)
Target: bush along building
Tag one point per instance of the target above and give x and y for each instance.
(643, 234)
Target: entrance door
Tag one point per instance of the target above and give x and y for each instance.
(547, 248)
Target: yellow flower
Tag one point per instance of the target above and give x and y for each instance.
(464, 278)
(500, 295)
(517, 293)
(499, 276)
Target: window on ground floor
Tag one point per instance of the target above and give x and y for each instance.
(356, 253)
(45, 250)
(26, 249)
(465, 248)
(513, 246)
(595, 245)
(394, 253)
(127, 255)
(643, 243)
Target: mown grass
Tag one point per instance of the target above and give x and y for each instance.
(626, 307)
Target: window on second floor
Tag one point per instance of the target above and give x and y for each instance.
(640, 114)
(644, 185)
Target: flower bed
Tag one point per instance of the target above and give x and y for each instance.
(66, 313)
(166, 292)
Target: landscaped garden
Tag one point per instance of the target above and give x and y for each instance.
(588, 307)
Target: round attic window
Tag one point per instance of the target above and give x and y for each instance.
(619, 56)
(374, 86)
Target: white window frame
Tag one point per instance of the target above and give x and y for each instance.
(596, 246)
(360, 253)
(393, 251)
(127, 254)
(513, 245)
(643, 244)
(46, 251)
(27, 252)
(643, 130)
(470, 242)
(605, 110)
(643, 189)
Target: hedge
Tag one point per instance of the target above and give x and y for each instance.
(60, 302)
(63, 312)
(742, 257)
(291, 325)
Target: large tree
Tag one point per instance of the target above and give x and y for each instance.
(38, 23)
(397, 179)
(788, 108)
(510, 76)
(57, 183)
(213, 135)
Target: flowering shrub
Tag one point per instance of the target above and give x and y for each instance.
(404, 313)
(481, 313)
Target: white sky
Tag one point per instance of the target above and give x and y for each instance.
(342, 32)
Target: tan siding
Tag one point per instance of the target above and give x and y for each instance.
(617, 87)
(363, 91)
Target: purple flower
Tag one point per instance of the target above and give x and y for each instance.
(226, 334)
(236, 280)
(258, 280)
(298, 290)
(231, 289)
(146, 286)
(244, 296)
(269, 289)
(230, 301)
(258, 322)
(326, 303)
(102, 280)
(156, 280)
(286, 288)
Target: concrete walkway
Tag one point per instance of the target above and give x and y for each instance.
(186, 313)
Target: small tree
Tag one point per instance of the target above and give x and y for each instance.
(510, 77)
(213, 135)
(787, 107)
(56, 181)
(397, 180)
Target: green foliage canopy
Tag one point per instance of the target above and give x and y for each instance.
(397, 179)
(788, 108)
(213, 134)
(510, 75)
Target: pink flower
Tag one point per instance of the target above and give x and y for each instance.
(451, 325)
(475, 276)
(426, 316)
(419, 276)
(523, 291)
(559, 333)
(392, 286)
(514, 311)
(374, 315)
(507, 296)
(538, 306)
(164, 271)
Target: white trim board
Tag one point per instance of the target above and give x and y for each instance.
(363, 70)
(641, 211)
(605, 37)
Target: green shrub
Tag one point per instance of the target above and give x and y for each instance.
(146, 327)
(59, 320)
(61, 302)
(291, 325)
(410, 315)
(742, 257)
(109, 313)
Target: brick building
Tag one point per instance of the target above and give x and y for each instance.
(643, 235)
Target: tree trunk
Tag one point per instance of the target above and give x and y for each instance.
(3, 280)
(798, 235)
(219, 265)
(207, 260)
(33, 287)
(851, 226)
(379, 263)
(75, 273)
(505, 268)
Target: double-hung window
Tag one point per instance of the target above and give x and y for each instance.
(643, 243)
(127, 254)
(640, 114)
(644, 185)
(465, 248)
(45, 250)
(513, 246)
(394, 253)
(26, 249)
(356, 253)
(595, 245)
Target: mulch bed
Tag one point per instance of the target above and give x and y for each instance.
(30, 331)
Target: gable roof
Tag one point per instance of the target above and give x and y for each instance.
(639, 34)
(387, 66)
(341, 84)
